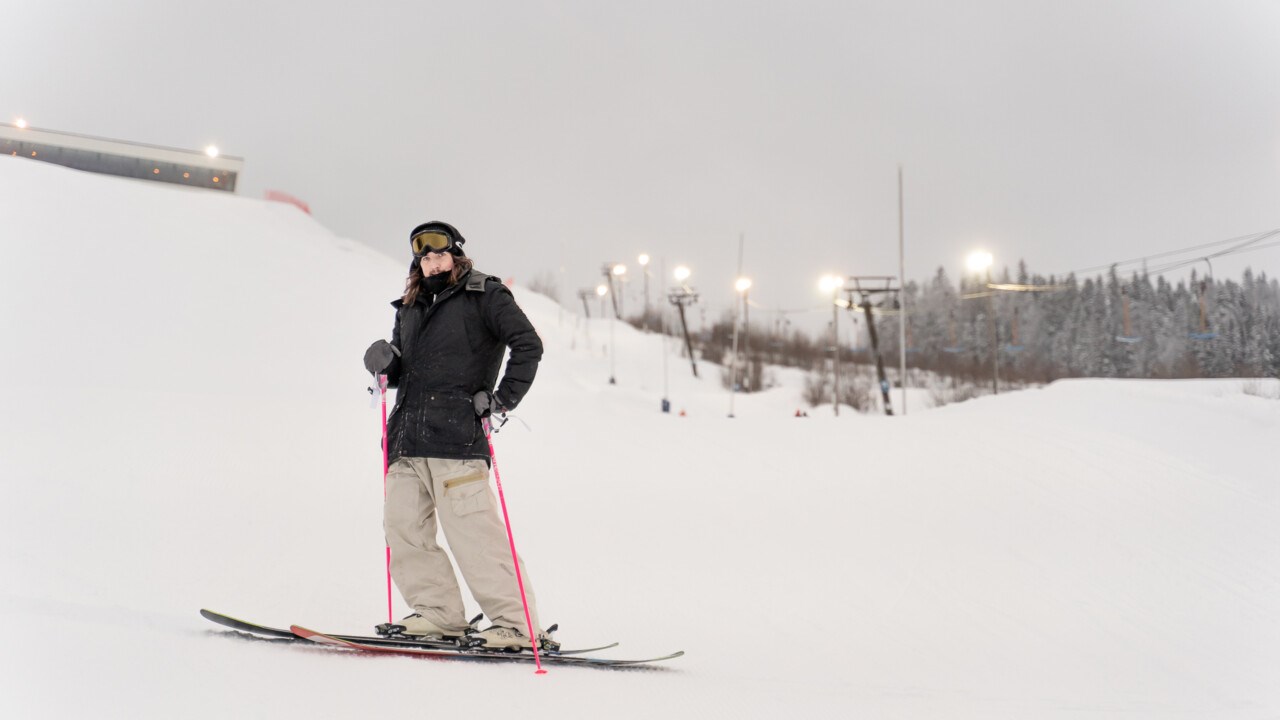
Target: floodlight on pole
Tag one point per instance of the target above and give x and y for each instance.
(682, 273)
(834, 284)
(617, 271)
(979, 261)
(601, 291)
(742, 285)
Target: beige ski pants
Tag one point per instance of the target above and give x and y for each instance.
(420, 490)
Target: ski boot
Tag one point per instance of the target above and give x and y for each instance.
(505, 639)
(418, 627)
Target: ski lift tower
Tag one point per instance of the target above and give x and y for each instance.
(867, 287)
(680, 297)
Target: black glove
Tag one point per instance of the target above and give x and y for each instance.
(486, 404)
(379, 356)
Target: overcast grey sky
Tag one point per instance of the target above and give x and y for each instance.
(565, 134)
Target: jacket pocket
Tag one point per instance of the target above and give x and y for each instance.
(449, 419)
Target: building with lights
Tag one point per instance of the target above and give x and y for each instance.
(207, 169)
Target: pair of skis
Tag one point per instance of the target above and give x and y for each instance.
(428, 648)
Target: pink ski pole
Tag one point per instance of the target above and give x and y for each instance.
(515, 559)
(382, 386)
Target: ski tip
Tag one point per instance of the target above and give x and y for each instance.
(319, 637)
(672, 656)
(220, 618)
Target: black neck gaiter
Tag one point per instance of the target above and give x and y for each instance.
(434, 284)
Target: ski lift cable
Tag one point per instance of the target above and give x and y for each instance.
(1250, 238)
(1248, 246)
(1244, 245)
(1258, 247)
(1167, 253)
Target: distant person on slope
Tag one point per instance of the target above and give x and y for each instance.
(452, 327)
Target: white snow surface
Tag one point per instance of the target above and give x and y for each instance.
(184, 424)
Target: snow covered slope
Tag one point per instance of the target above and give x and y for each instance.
(183, 424)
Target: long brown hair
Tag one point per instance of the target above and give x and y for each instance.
(412, 286)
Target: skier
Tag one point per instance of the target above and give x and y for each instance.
(452, 326)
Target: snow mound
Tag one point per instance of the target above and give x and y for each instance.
(185, 425)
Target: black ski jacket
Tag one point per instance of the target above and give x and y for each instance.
(450, 348)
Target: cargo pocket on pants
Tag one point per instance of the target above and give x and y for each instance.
(469, 493)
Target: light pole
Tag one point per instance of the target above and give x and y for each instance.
(663, 322)
(746, 334)
(610, 271)
(644, 267)
(980, 262)
(618, 271)
(603, 290)
(742, 285)
(833, 284)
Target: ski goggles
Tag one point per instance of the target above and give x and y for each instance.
(430, 241)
